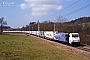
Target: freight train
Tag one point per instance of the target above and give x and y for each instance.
(69, 38)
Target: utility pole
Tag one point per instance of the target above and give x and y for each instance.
(29, 26)
(32, 28)
(38, 28)
(54, 27)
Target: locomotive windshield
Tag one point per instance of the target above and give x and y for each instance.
(75, 35)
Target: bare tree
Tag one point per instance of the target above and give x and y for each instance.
(61, 19)
(2, 23)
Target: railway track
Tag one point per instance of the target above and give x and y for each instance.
(85, 48)
(81, 47)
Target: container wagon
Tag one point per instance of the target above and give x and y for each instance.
(49, 34)
(42, 34)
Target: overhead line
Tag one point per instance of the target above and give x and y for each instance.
(64, 8)
(86, 6)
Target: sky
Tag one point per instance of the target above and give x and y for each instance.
(19, 13)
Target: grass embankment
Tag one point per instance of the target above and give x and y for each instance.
(18, 47)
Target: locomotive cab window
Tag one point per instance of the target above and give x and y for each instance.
(75, 35)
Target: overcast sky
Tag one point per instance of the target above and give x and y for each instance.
(19, 13)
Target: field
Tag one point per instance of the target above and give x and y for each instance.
(21, 47)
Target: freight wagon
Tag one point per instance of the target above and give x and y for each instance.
(50, 34)
(42, 34)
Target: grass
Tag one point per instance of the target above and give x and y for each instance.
(19, 47)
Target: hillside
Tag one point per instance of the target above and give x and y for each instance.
(80, 20)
